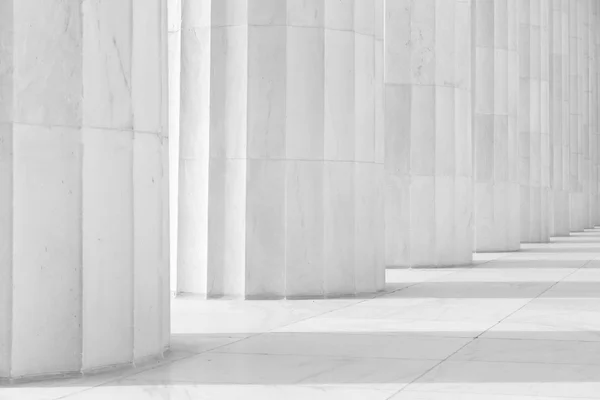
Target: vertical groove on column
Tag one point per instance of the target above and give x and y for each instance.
(174, 99)
(533, 130)
(545, 143)
(195, 117)
(496, 189)
(595, 110)
(7, 62)
(559, 121)
(585, 103)
(428, 108)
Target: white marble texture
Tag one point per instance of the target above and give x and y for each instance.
(509, 328)
(281, 173)
(428, 148)
(174, 16)
(594, 110)
(495, 133)
(534, 145)
(559, 217)
(575, 89)
(585, 142)
(83, 144)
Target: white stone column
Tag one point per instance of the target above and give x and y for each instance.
(428, 158)
(575, 51)
(174, 51)
(534, 146)
(585, 167)
(495, 135)
(282, 149)
(559, 122)
(592, 149)
(195, 89)
(84, 227)
(566, 115)
(595, 110)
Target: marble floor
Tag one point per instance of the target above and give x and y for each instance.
(522, 325)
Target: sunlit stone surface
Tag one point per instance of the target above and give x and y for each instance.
(495, 133)
(428, 133)
(594, 111)
(83, 185)
(534, 146)
(575, 94)
(281, 174)
(559, 118)
(174, 51)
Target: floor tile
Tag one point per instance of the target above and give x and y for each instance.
(260, 369)
(551, 380)
(348, 345)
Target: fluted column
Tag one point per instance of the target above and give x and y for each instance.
(595, 110)
(559, 119)
(281, 148)
(428, 159)
(495, 135)
(174, 51)
(575, 51)
(534, 146)
(585, 93)
(84, 221)
(593, 115)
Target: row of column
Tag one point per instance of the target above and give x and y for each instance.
(322, 141)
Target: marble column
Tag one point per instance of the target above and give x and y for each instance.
(174, 51)
(428, 152)
(559, 119)
(282, 149)
(592, 148)
(575, 51)
(595, 110)
(585, 92)
(195, 86)
(495, 136)
(534, 146)
(84, 227)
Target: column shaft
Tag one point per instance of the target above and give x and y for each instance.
(495, 139)
(534, 145)
(281, 148)
(174, 51)
(428, 133)
(84, 156)
(559, 212)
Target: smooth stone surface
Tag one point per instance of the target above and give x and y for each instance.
(484, 332)
(84, 183)
(281, 149)
(428, 146)
(495, 117)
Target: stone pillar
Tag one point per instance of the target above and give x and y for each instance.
(593, 115)
(281, 148)
(576, 189)
(195, 87)
(174, 50)
(83, 185)
(428, 156)
(495, 136)
(534, 147)
(585, 93)
(559, 200)
(595, 110)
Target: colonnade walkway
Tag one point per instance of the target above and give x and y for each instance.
(522, 325)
